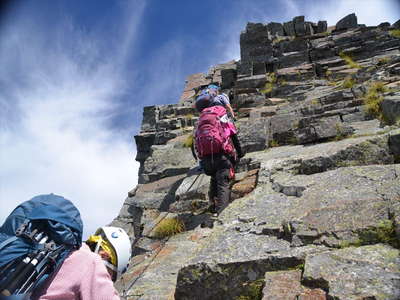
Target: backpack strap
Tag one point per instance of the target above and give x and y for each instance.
(8, 241)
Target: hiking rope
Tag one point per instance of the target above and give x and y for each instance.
(124, 291)
(194, 181)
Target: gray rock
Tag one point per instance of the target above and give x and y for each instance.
(349, 21)
(321, 27)
(166, 160)
(197, 279)
(228, 77)
(150, 118)
(394, 143)
(291, 59)
(309, 28)
(249, 100)
(193, 187)
(253, 134)
(289, 28)
(295, 45)
(299, 26)
(275, 30)
(384, 25)
(256, 81)
(369, 272)
(396, 25)
(283, 128)
(391, 108)
(155, 277)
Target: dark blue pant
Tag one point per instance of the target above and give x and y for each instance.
(217, 166)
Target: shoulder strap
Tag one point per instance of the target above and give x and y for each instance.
(8, 241)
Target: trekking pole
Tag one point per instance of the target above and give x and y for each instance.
(27, 271)
(22, 264)
(24, 275)
(197, 177)
(41, 269)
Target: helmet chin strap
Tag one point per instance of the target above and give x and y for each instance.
(108, 264)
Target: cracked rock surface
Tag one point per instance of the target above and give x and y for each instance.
(315, 206)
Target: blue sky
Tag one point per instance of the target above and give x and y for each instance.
(75, 76)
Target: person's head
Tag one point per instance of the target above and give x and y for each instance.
(213, 89)
(114, 247)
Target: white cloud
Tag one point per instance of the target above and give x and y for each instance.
(369, 12)
(58, 90)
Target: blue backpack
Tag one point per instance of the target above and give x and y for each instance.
(34, 241)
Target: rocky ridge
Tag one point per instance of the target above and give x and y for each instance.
(316, 200)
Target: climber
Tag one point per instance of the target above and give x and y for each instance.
(212, 97)
(218, 148)
(88, 273)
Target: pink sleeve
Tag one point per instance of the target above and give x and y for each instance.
(97, 284)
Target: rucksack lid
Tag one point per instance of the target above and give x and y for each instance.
(53, 216)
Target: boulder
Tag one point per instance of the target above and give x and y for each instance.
(321, 27)
(281, 285)
(391, 109)
(275, 30)
(166, 160)
(228, 78)
(349, 21)
(396, 25)
(375, 272)
(253, 134)
(299, 26)
(288, 28)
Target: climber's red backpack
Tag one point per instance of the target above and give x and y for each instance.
(210, 136)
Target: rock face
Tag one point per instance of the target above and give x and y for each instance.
(315, 211)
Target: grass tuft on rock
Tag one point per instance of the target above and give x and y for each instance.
(269, 85)
(373, 99)
(252, 290)
(384, 232)
(395, 33)
(348, 83)
(349, 61)
(188, 142)
(273, 143)
(169, 227)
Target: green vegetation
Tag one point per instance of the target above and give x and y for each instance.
(189, 116)
(188, 142)
(293, 140)
(298, 267)
(269, 85)
(340, 133)
(252, 290)
(273, 143)
(279, 39)
(349, 61)
(373, 99)
(169, 227)
(383, 61)
(384, 232)
(348, 82)
(395, 33)
(315, 102)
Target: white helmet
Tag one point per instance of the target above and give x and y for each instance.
(121, 244)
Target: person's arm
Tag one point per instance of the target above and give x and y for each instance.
(228, 105)
(97, 283)
(225, 99)
(236, 144)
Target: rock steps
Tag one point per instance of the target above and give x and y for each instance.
(316, 201)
